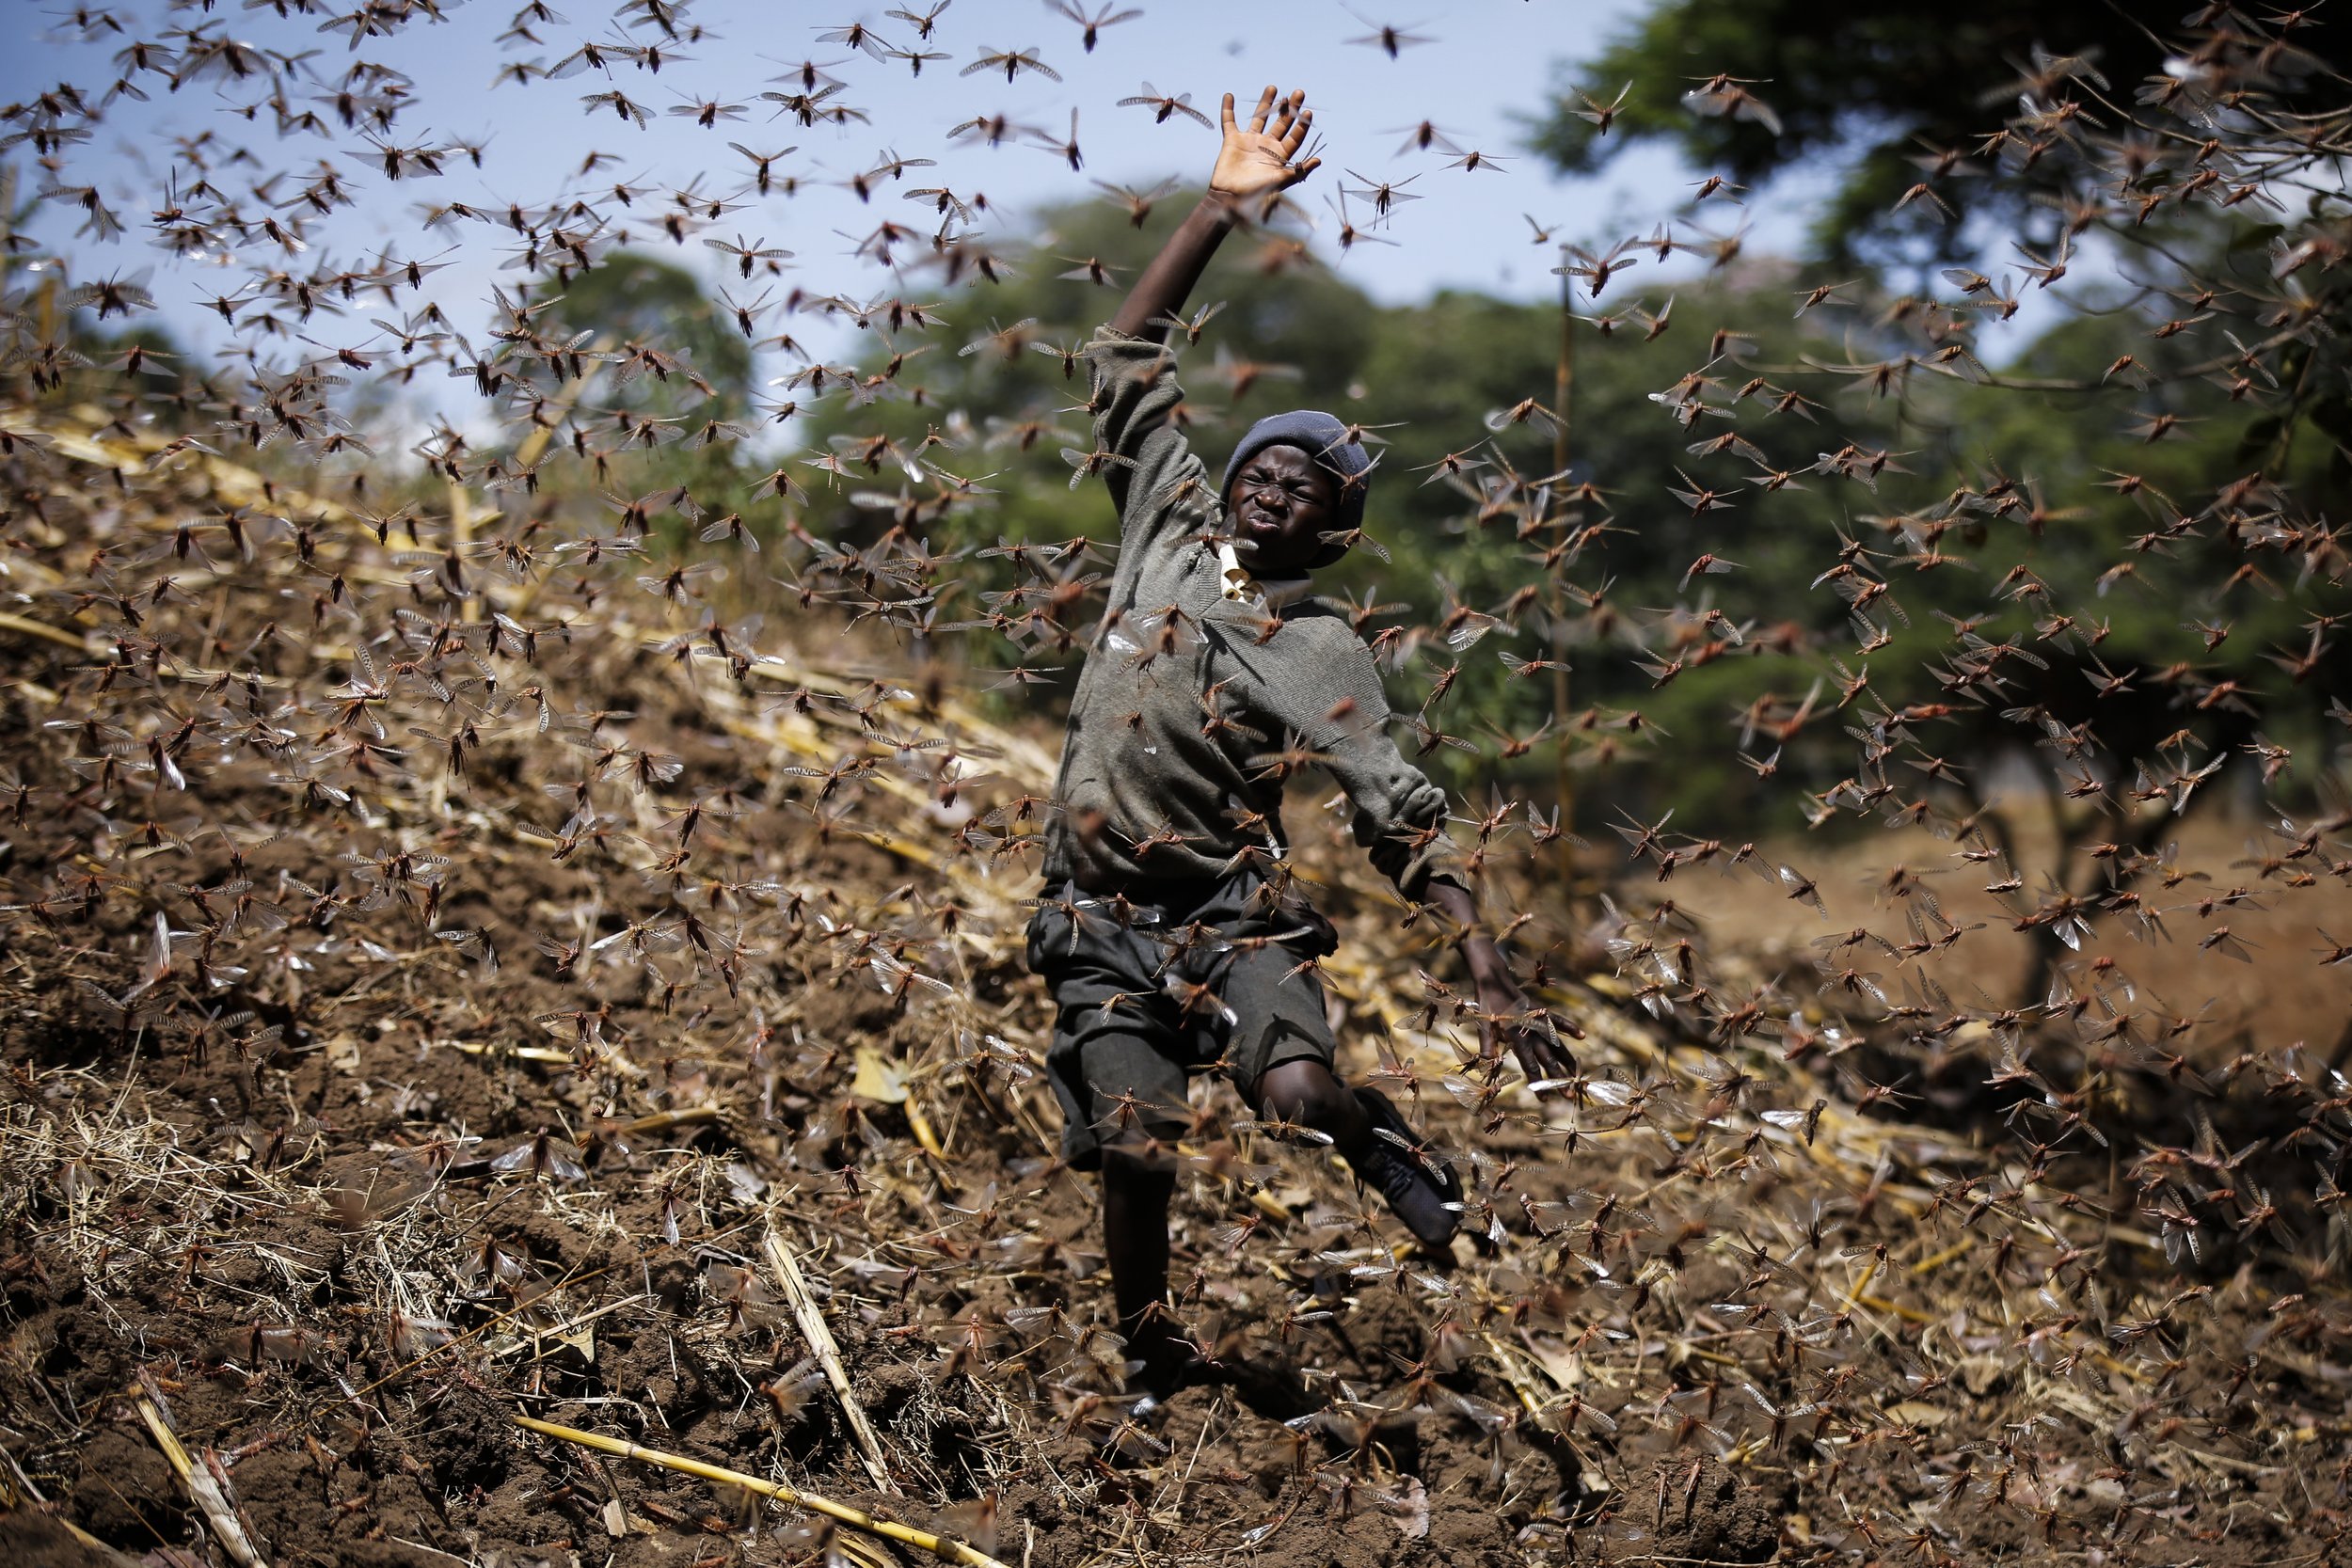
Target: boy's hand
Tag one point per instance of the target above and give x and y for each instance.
(1534, 1034)
(1510, 1016)
(1251, 164)
(1258, 160)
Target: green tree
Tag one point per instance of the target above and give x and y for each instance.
(667, 391)
(1889, 91)
(630, 300)
(2212, 373)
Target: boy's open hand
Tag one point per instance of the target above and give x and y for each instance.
(1510, 1019)
(1258, 160)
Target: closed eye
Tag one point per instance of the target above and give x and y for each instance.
(1260, 480)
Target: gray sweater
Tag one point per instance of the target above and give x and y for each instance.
(1193, 704)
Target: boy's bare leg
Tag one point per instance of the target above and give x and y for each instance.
(1135, 1191)
(1310, 1094)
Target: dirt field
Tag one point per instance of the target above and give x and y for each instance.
(290, 1170)
(2281, 991)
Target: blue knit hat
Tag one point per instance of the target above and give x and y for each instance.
(1324, 439)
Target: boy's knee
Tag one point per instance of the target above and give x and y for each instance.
(1302, 1092)
(1139, 1163)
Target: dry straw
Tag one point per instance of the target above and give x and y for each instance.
(940, 1546)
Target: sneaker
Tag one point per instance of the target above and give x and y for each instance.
(1416, 1194)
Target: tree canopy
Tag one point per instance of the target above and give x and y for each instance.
(1657, 685)
(1896, 94)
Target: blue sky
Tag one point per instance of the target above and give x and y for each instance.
(1487, 63)
(1487, 59)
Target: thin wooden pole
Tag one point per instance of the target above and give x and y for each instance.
(460, 540)
(1563, 389)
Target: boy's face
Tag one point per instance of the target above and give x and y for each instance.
(1280, 505)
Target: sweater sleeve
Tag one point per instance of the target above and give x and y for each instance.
(1325, 689)
(1157, 480)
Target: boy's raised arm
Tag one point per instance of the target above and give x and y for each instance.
(1251, 163)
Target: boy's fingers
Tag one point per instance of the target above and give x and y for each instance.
(1302, 171)
(1537, 1055)
(1289, 112)
(1230, 126)
(1297, 136)
(1265, 106)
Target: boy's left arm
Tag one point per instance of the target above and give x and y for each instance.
(1506, 1008)
(1399, 815)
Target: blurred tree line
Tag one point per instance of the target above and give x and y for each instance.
(1658, 691)
(2087, 435)
(1882, 92)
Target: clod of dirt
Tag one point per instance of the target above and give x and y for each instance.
(285, 1498)
(29, 1537)
(126, 1495)
(889, 1389)
(1713, 1520)
(466, 1439)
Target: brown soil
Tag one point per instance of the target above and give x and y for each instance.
(2277, 991)
(1695, 1511)
(340, 1204)
(28, 1536)
(425, 1461)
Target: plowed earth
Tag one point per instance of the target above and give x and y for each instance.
(334, 1200)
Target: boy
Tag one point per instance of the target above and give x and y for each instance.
(1169, 932)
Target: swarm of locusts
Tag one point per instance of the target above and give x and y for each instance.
(512, 872)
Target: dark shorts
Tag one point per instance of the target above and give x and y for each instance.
(1196, 977)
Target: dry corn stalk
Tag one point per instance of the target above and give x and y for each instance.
(210, 1495)
(819, 1336)
(940, 1546)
